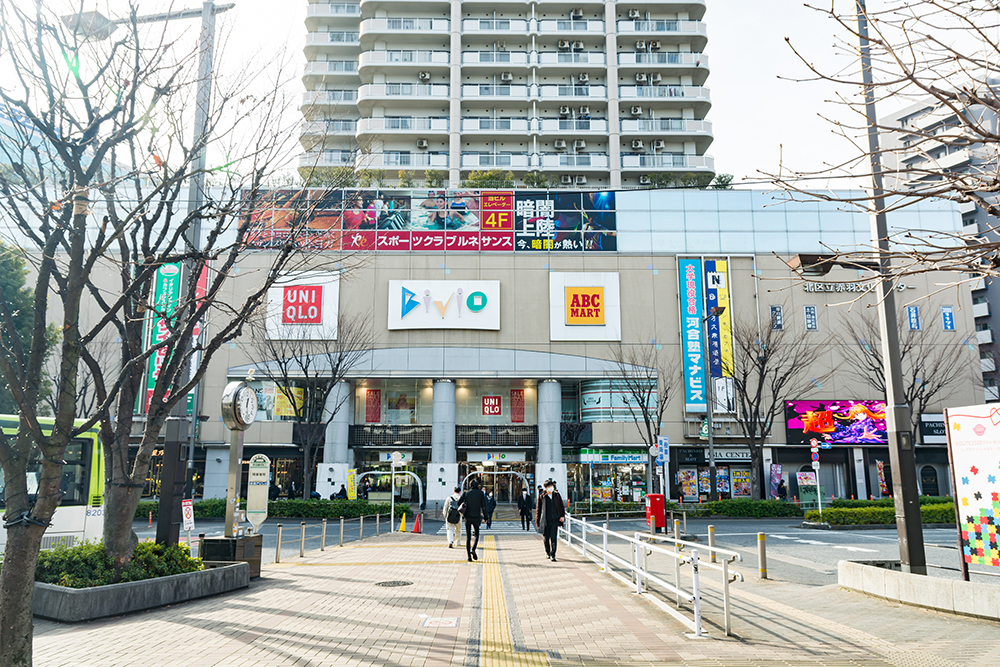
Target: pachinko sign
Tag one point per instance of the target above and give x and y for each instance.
(836, 422)
(692, 340)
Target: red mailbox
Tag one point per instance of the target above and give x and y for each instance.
(656, 510)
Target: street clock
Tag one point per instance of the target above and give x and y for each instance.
(239, 405)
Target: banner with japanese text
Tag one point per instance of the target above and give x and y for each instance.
(692, 339)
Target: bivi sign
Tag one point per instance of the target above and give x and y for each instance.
(444, 304)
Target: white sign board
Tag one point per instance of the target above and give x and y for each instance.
(404, 457)
(258, 483)
(187, 511)
(973, 434)
(444, 304)
(304, 306)
(567, 323)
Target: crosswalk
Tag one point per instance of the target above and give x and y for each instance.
(499, 528)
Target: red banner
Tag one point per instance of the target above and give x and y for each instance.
(359, 240)
(427, 241)
(491, 406)
(517, 406)
(373, 406)
(468, 241)
(496, 242)
(391, 240)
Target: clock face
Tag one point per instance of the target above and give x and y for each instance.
(246, 404)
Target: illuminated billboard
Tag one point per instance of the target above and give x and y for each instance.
(836, 422)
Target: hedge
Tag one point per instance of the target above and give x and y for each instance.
(757, 509)
(88, 565)
(215, 508)
(866, 516)
(888, 502)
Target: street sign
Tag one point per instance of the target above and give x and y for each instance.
(187, 511)
(815, 456)
(397, 457)
(826, 445)
(654, 450)
(815, 466)
(258, 484)
(662, 450)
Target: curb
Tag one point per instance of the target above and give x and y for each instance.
(870, 526)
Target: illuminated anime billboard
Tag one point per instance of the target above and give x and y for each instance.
(836, 422)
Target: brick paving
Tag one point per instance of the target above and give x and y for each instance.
(512, 607)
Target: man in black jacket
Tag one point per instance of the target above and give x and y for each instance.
(549, 515)
(474, 501)
(524, 506)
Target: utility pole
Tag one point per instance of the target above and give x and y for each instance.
(897, 414)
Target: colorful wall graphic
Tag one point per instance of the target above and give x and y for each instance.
(775, 479)
(741, 484)
(437, 220)
(687, 481)
(837, 422)
(974, 446)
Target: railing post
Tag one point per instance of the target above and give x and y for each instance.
(569, 529)
(725, 595)
(761, 556)
(605, 546)
(322, 544)
(685, 522)
(361, 526)
(711, 543)
(677, 561)
(201, 544)
(341, 531)
(696, 592)
(302, 541)
(277, 547)
(638, 566)
(583, 528)
(378, 524)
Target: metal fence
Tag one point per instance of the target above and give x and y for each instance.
(342, 528)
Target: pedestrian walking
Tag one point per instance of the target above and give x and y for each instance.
(474, 502)
(782, 491)
(453, 518)
(491, 507)
(524, 507)
(549, 515)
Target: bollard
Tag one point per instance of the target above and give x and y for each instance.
(277, 547)
(583, 539)
(677, 530)
(652, 525)
(696, 592)
(761, 556)
(341, 531)
(711, 543)
(685, 522)
(302, 541)
(361, 526)
(322, 544)
(378, 525)
(201, 544)
(150, 518)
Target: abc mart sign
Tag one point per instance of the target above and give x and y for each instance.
(444, 304)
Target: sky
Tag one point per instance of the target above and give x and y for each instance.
(761, 119)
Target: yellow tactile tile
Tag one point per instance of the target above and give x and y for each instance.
(497, 644)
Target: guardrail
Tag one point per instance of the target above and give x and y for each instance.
(346, 527)
(679, 552)
(640, 513)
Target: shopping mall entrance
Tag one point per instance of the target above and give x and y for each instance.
(504, 477)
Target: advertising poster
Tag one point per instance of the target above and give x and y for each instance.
(836, 422)
(775, 479)
(352, 484)
(883, 488)
(974, 449)
(806, 478)
(689, 272)
(722, 479)
(720, 335)
(166, 293)
(283, 407)
(705, 480)
(600, 223)
(687, 482)
(373, 406)
(401, 407)
(741, 484)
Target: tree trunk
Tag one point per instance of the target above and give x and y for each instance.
(307, 470)
(17, 588)
(756, 472)
(122, 494)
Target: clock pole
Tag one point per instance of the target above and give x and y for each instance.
(235, 477)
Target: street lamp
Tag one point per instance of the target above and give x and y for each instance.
(715, 311)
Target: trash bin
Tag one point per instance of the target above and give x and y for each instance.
(656, 509)
(244, 549)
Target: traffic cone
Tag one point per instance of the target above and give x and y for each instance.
(402, 524)
(416, 524)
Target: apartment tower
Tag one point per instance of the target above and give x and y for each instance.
(586, 93)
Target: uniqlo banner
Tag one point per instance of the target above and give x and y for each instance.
(517, 406)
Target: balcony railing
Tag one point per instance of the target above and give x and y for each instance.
(564, 26)
(663, 58)
(338, 126)
(403, 124)
(495, 125)
(581, 160)
(504, 160)
(578, 92)
(405, 57)
(573, 125)
(342, 37)
(641, 26)
(499, 435)
(404, 25)
(571, 57)
(668, 161)
(329, 97)
(495, 58)
(327, 159)
(663, 92)
(321, 67)
(491, 90)
(670, 125)
(367, 435)
(411, 90)
(495, 25)
(401, 159)
(328, 10)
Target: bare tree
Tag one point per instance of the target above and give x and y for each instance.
(934, 362)
(103, 349)
(649, 379)
(99, 125)
(769, 367)
(940, 54)
(306, 369)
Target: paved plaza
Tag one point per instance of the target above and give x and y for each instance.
(511, 607)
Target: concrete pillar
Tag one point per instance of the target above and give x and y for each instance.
(332, 472)
(442, 471)
(549, 459)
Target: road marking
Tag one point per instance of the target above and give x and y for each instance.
(497, 643)
(858, 549)
(368, 562)
(814, 543)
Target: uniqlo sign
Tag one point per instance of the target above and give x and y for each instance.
(585, 305)
(491, 406)
(302, 304)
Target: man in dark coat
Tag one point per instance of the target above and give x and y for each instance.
(549, 515)
(524, 507)
(474, 501)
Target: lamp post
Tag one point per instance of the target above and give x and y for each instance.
(713, 493)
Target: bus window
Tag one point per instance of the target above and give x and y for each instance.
(75, 475)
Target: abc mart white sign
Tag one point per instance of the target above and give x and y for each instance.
(444, 304)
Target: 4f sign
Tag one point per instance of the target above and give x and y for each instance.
(585, 305)
(302, 304)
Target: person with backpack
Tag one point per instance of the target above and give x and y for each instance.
(453, 518)
(473, 502)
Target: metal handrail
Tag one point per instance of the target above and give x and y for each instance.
(302, 537)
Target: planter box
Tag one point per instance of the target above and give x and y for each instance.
(73, 605)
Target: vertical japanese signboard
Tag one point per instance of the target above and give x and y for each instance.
(373, 406)
(166, 294)
(352, 484)
(689, 272)
(517, 406)
(720, 335)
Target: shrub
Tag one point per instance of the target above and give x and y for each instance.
(88, 565)
(757, 509)
(878, 515)
(215, 508)
(887, 502)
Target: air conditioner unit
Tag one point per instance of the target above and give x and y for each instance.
(654, 44)
(640, 77)
(584, 111)
(559, 144)
(634, 13)
(506, 77)
(564, 45)
(576, 14)
(659, 144)
(424, 76)
(636, 111)
(578, 46)
(579, 143)
(581, 180)
(565, 111)
(645, 180)
(637, 144)
(655, 78)
(566, 179)
(583, 77)
(640, 45)
(421, 143)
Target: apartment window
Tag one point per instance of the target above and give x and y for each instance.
(811, 319)
(341, 95)
(777, 319)
(341, 125)
(342, 65)
(338, 157)
(398, 123)
(983, 326)
(980, 299)
(398, 158)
